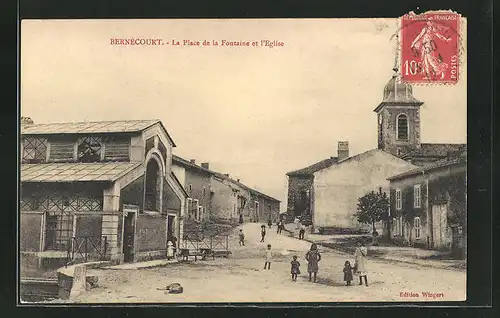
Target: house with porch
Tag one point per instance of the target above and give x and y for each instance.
(98, 187)
(428, 204)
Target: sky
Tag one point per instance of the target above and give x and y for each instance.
(253, 112)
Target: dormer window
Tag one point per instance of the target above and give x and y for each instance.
(402, 127)
(34, 149)
(89, 149)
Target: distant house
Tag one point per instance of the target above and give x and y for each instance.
(98, 183)
(428, 204)
(246, 204)
(217, 197)
(327, 192)
(197, 183)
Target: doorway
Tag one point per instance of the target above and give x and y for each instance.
(128, 237)
(439, 225)
(170, 226)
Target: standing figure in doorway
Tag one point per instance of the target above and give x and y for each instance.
(313, 257)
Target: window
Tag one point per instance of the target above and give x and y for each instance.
(200, 213)
(416, 225)
(398, 199)
(400, 152)
(150, 143)
(117, 149)
(59, 229)
(62, 150)
(89, 149)
(189, 204)
(402, 127)
(190, 188)
(34, 149)
(204, 191)
(416, 196)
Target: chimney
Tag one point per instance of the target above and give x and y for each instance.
(342, 150)
(193, 161)
(205, 165)
(238, 180)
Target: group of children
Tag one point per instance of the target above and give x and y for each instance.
(312, 257)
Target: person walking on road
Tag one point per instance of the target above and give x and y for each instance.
(262, 232)
(359, 263)
(313, 257)
(302, 231)
(269, 257)
(242, 238)
(269, 223)
(280, 227)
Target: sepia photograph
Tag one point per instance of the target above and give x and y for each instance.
(243, 160)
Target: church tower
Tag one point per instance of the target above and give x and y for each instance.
(398, 118)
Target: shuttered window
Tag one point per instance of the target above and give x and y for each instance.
(117, 149)
(398, 199)
(61, 150)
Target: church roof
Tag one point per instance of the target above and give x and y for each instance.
(435, 150)
(458, 157)
(399, 93)
(310, 170)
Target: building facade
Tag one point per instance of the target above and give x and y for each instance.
(99, 183)
(327, 191)
(428, 205)
(197, 183)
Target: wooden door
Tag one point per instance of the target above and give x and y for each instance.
(439, 225)
(128, 237)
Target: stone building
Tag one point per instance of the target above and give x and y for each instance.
(327, 191)
(197, 183)
(106, 185)
(429, 204)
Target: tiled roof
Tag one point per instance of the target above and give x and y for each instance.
(309, 170)
(89, 127)
(436, 150)
(219, 175)
(456, 158)
(71, 172)
(187, 163)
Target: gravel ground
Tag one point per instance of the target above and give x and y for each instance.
(241, 278)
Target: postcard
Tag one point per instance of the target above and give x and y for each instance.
(243, 160)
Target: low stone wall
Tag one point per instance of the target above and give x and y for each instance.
(75, 280)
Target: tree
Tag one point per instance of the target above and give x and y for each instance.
(373, 207)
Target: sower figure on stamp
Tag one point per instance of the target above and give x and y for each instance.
(359, 263)
(313, 257)
(431, 64)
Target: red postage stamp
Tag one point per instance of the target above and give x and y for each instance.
(430, 47)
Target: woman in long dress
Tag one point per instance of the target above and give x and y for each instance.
(313, 257)
(359, 262)
(432, 65)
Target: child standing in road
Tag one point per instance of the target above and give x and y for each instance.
(242, 238)
(262, 232)
(269, 257)
(347, 273)
(295, 270)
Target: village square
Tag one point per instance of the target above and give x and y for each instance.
(110, 212)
